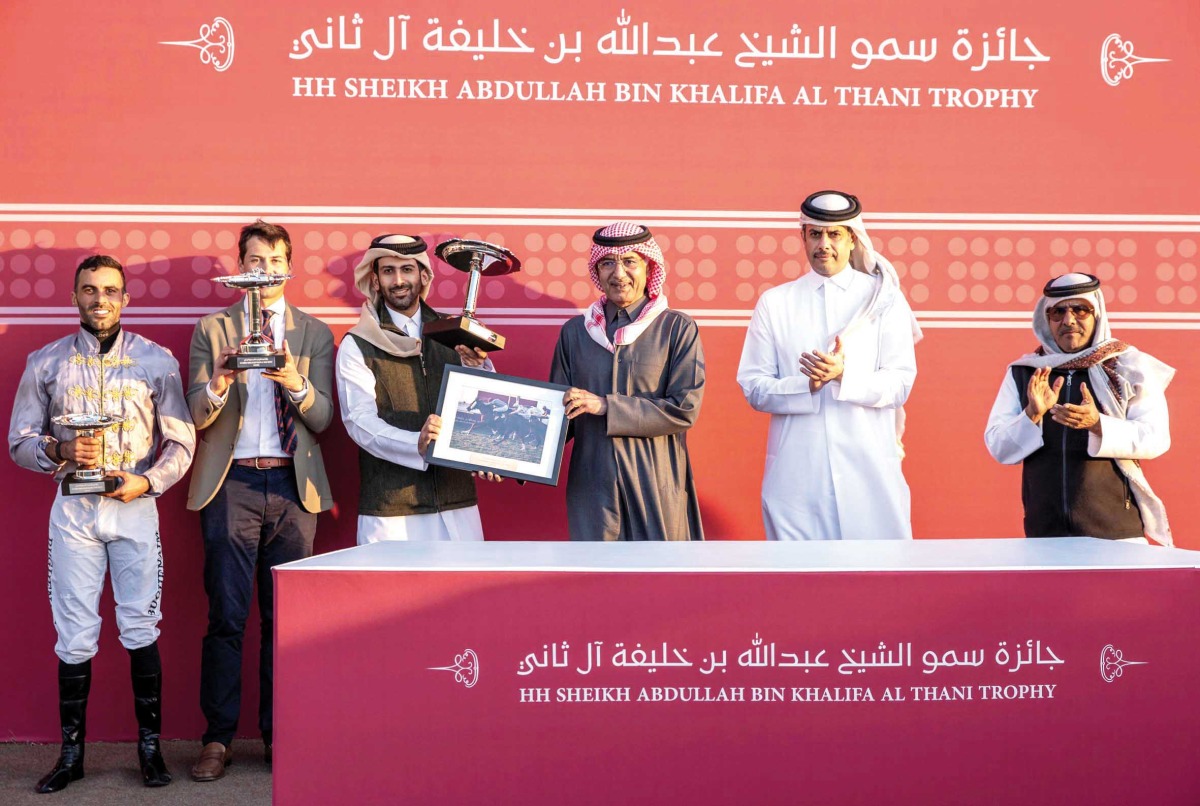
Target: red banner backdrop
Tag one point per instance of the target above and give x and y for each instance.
(993, 147)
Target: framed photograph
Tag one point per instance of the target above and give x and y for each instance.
(510, 426)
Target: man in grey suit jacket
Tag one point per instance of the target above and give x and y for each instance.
(258, 480)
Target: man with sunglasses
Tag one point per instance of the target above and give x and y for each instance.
(1079, 413)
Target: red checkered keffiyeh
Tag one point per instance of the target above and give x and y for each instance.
(656, 275)
(648, 249)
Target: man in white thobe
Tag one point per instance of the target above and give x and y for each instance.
(388, 380)
(830, 357)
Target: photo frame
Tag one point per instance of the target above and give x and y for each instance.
(513, 427)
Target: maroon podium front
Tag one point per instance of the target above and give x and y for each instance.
(874, 672)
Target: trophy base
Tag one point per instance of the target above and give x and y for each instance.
(76, 486)
(250, 361)
(455, 330)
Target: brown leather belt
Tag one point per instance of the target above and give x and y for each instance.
(264, 462)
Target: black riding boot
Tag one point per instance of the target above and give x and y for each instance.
(146, 671)
(74, 682)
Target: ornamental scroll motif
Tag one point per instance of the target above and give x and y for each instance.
(1117, 60)
(465, 668)
(1113, 663)
(215, 44)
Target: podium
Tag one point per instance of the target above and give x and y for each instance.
(871, 672)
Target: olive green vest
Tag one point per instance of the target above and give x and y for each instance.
(406, 392)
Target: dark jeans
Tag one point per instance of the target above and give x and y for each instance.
(254, 523)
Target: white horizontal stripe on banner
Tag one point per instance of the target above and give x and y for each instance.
(548, 317)
(532, 216)
(547, 212)
(440, 222)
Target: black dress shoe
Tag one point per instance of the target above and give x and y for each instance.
(68, 768)
(267, 753)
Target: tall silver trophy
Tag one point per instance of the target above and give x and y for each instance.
(479, 259)
(88, 479)
(256, 351)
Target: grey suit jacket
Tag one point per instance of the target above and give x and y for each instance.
(311, 343)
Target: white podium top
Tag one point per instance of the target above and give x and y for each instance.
(1042, 554)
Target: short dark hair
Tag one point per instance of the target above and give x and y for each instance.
(94, 262)
(271, 233)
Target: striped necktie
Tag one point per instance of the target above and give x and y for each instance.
(284, 420)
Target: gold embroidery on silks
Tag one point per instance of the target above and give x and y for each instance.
(117, 459)
(86, 393)
(115, 395)
(78, 359)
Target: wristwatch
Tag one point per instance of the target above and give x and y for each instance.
(49, 442)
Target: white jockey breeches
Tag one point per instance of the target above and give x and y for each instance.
(88, 536)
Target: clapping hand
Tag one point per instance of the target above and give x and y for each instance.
(822, 368)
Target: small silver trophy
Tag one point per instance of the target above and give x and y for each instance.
(480, 259)
(256, 351)
(88, 479)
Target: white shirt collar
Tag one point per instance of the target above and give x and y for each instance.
(842, 279)
(277, 308)
(407, 324)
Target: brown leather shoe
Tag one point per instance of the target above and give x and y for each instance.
(214, 758)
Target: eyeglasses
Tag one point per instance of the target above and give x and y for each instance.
(1057, 313)
(608, 263)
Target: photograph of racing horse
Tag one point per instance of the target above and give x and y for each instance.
(506, 426)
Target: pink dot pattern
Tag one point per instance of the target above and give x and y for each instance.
(722, 268)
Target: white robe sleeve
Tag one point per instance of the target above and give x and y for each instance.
(1145, 433)
(759, 373)
(888, 385)
(360, 412)
(1010, 435)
